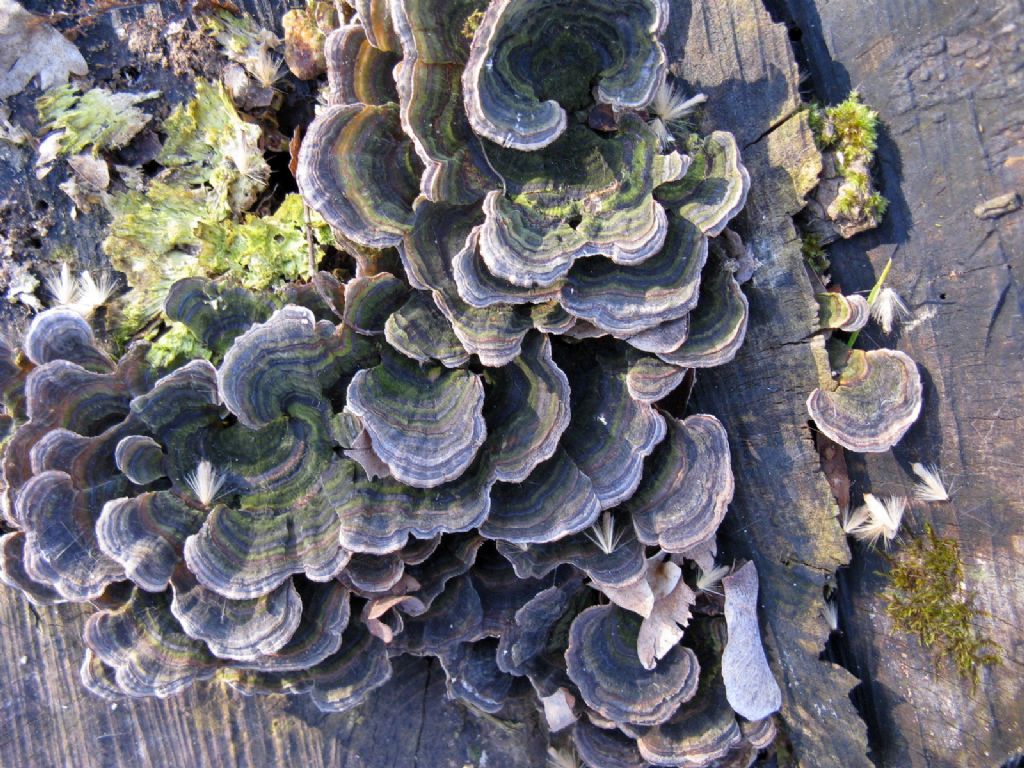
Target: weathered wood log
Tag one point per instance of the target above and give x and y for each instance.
(945, 79)
(783, 515)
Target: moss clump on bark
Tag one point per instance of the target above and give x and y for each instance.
(927, 596)
(814, 254)
(848, 134)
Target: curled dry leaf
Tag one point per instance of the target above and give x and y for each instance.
(29, 48)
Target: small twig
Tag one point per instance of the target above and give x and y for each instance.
(309, 239)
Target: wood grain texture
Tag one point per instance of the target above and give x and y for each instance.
(946, 80)
(783, 514)
(48, 720)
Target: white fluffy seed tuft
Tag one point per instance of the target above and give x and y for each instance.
(562, 758)
(711, 580)
(671, 104)
(266, 67)
(877, 519)
(931, 487)
(62, 286)
(92, 293)
(206, 482)
(84, 295)
(604, 535)
(888, 308)
(830, 612)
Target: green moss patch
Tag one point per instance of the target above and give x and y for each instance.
(927, 596)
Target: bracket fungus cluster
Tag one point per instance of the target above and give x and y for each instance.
(457, 448)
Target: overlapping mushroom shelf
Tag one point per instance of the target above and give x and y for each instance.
(463, 455)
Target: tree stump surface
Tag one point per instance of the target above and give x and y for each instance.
(958, 277)
(946, 79)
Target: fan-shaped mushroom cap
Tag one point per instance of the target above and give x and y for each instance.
(146, 647)
(620, 566)
(439, 232)
(701, 733)
(553, 501)
(430, 90)
(75, 404)
(140, 458)
(606, 748)
(454, 556)
(215, 314)
(278, 465)
(146, 535)
(609, 433)
(62, 334)
(426, 423)
(527, 411)
(602, 661)
(236, 629)
(345, 679)
(454, 617)
(378, 24)
(650, 379)
(358, 72)
(703, 729)
(88, 460)
(528, 635)
(98, 678)
(179, 410)
(715, 186)
(358, 170)
(501, 592)
(13, 573)
(338, 683)
(325, 614)
(877, 399)
(369, 574)
(289, 359)
(474, 677)
(625, 300)
(743, 755)
(63, 394)
(245, 553)
(587, 194)
(687, 486)
(494, 334)
(551, 317)
(664, 338)
(479, 288)
(419, 331)
(845, 313)
(718, 324)
(370, 301)
(531, 60)
(378, 517)
(417, 551)
(749, 683)
(759, 733)
(60, 547)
